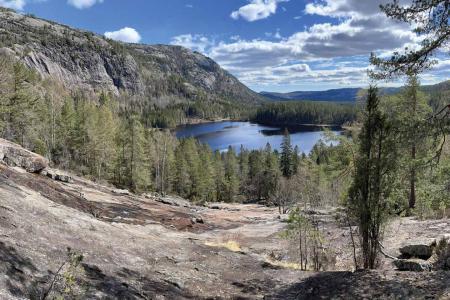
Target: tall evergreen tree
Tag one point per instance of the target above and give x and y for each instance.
(286, 155)
(231, 174)
(20, 103)
(271, 172)
(372, 182)
(415, 109)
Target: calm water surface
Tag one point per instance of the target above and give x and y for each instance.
(220, 135)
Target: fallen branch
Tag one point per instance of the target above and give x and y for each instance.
(48, 291)
(384, 253)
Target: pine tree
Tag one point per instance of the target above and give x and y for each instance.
(131, 169)
(139, 177)
(207, 188)
(295, 160)
(20, 103)
(286, 155)
(243, 169)
(182, 180)
(271, 172)
(101, 133)
(219, 180)
(416, 109)
(375, 165)
(255, 187)
(231, 174)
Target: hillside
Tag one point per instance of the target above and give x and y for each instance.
(153, 74)
(153, 247)
(335, 95)
(349, 94)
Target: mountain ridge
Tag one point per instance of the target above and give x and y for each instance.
(81, 60)
(343, 94)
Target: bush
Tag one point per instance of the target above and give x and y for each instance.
(443, 255)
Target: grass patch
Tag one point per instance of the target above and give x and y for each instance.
(230, 245)
(283, 264)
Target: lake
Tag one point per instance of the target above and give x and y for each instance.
(220, 135)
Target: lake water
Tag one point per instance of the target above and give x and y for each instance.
(220, 135)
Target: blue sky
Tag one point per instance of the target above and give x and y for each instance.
(272, 45)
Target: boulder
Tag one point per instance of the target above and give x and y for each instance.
(421, 251)
(198, 220)
(121, 192)
(57, 175)
(174, 201)
(415, 265)
(15, 155)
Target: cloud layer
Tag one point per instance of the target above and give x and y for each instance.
(126, 34)
(256, 10)
(82, 4)
(14, 4)
(335, 51)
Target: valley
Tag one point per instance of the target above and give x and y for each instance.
(138, 159)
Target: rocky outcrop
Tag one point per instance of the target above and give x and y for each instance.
(57, 175)
(15, 155)
(415, 265)
(174, 201)
(421, 251)
(81, 60)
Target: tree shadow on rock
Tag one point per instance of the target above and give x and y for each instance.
(129, 284)
(20, 273)
(368, 285)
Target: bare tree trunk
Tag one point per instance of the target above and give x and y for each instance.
(412, 192)
(353, 241)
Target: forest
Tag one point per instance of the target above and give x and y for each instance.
(305, 112)
(92, 136)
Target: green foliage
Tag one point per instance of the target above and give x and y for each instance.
(287, 155)
(304, 112)
(19, 103)
(372, 184)
(67, 282)
(305, 233)
(443, 255)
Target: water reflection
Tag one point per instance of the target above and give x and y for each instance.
(221, 135)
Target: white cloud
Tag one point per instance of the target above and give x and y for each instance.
(82, 4)
(329, 53)
(196, 42)
(257, 10)
(14, 4)
(127, 35)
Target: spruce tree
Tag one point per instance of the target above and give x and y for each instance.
(231, 174)
(286, 155)
(414, 109)
(372, 183)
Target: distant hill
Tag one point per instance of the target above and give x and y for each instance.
(334, 95)
(347, 94)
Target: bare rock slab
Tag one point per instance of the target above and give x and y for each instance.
(15, 155)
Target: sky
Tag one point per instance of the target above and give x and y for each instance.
(270, 45)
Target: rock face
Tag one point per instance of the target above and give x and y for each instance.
(174, 201)
(416, 265)
(421, 251)
(57, 175)
(16, 156)
(160, 74)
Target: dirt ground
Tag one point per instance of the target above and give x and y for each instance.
(144, 247)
